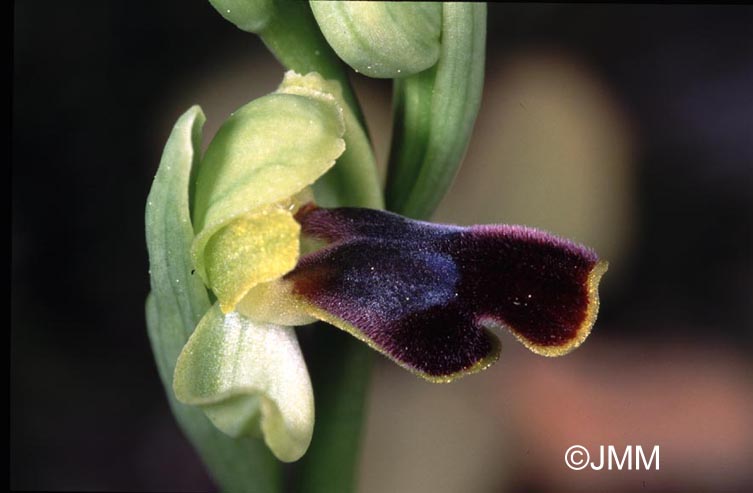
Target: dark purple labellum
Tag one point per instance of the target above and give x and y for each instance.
(425, 294)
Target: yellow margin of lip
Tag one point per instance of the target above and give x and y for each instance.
(478, 366)
(592, 309)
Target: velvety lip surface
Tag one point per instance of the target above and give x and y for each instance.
(424, 294)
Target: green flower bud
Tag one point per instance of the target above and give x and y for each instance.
(248, 15)
(382, 39)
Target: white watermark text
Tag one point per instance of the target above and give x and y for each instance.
(609, 458)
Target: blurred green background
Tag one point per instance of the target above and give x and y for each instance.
(628, 128)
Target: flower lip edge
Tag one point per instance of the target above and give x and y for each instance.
(585, 327)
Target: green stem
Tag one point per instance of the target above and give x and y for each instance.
(294, 38)
(340, 369)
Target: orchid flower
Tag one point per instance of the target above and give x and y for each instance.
(279, 224)
(424, 295)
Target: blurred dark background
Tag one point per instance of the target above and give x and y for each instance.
(627, 127)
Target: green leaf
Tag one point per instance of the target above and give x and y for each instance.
(178, 300)
(434, 114)
(382, 39)
(249, 377)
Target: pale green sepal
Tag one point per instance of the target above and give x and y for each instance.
(247, 377)
(168, 225)
(177, 302)
(266, 152)
(382, 39)
(248, 15)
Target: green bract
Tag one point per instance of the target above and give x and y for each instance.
(248, 183)
(382, 39)
(434, 113)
